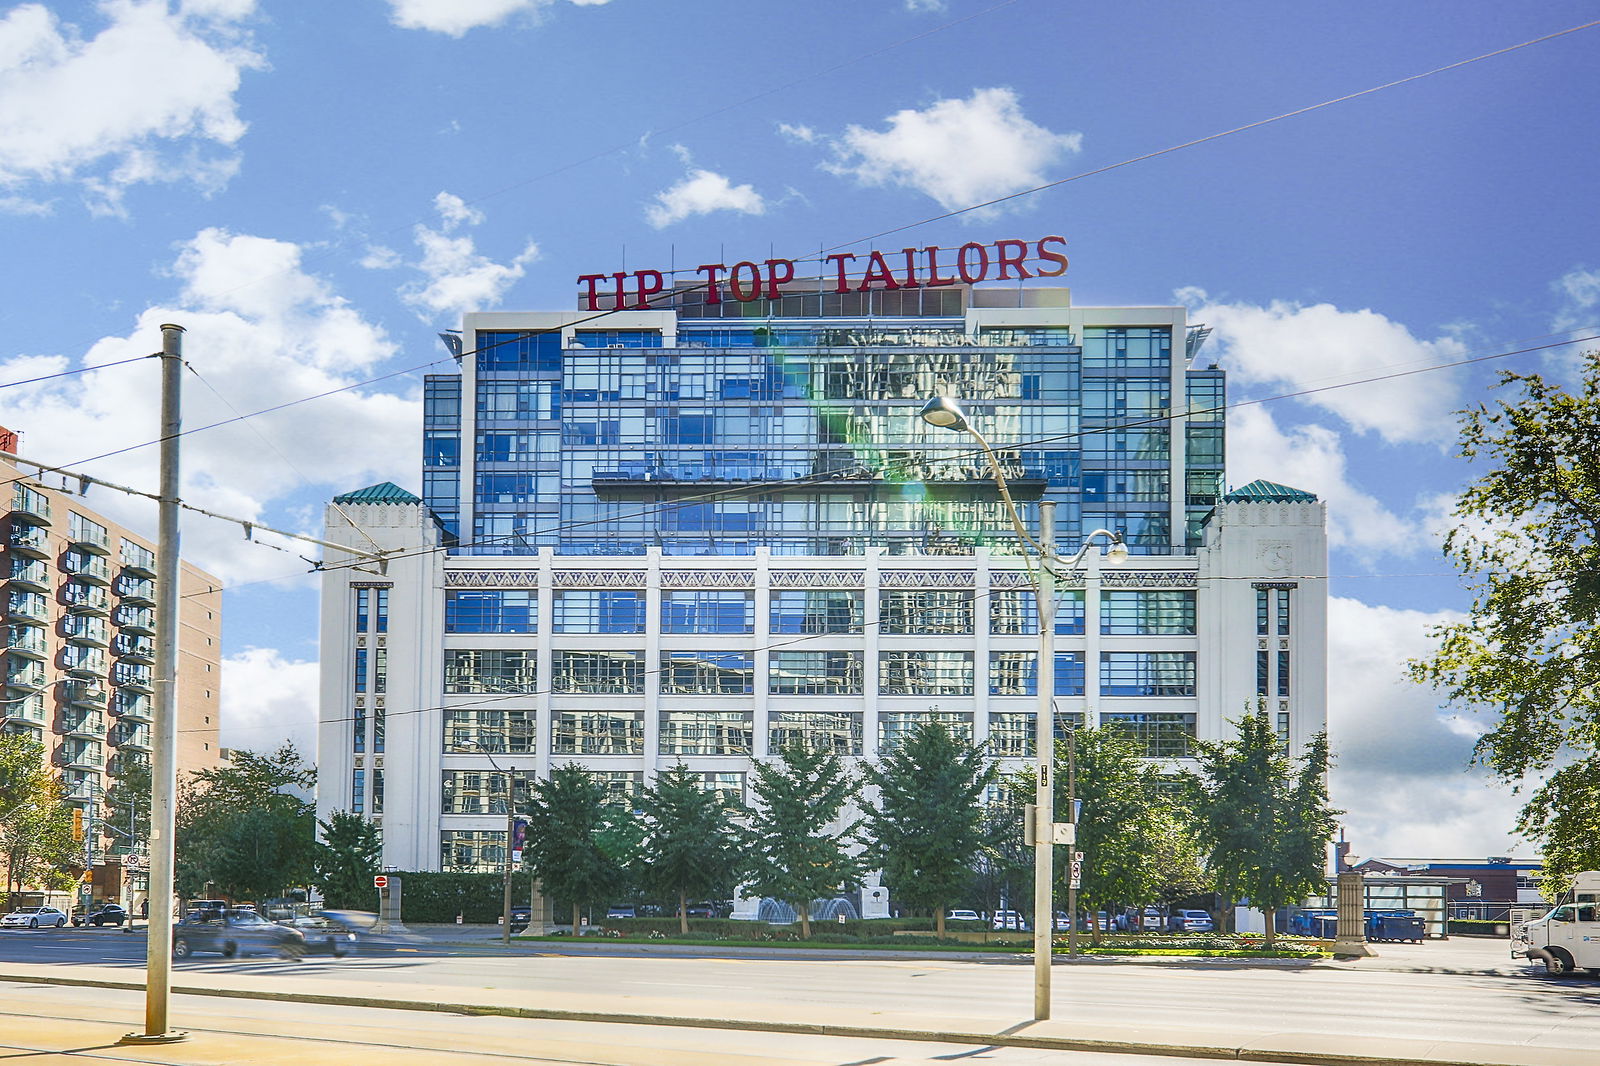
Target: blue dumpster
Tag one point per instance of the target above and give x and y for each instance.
(1396, 926)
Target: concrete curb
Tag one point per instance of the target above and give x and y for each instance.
(1302, 1048)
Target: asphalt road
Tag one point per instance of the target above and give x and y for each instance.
(1461, 990)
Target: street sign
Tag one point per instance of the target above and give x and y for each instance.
(380, 881)
(1077, 874)
(1066, 832)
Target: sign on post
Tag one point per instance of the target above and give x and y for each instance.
(380, 881)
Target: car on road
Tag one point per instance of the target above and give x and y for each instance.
(323, 934)
(962, 916)
(235, 932)
(621, 910)
(34, 917)
(1183, 921)
(520, 917)
(105, 914)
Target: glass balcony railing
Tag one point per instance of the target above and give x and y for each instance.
(30, 504)
(30, 540)
(84, 693)
(132, 619)
(139, 591)
(80, 724)
(86, 629)
(92, 568)
(89, 535)
(133, 707)
(80, 596)
(29, 708)
(27, 640)
(135, 649)
(23, 674)
(131, 737)
(81, 754)
(30, 574)
(127, 675)
(29, 605)
(138, 560)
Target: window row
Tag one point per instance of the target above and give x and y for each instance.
(913, 612)
(808, 673)
(732, 733)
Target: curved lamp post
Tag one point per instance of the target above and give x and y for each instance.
(946, 413)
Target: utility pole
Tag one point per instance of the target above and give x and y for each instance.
(511, 840)
(1044, 911)
(1074, 870)
(164, 737)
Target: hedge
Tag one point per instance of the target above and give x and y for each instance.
(712, 928)
(436, 898)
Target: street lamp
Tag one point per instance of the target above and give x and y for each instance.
(946, 413)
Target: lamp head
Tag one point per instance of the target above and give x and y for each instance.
(1117, 553)
(944, 412)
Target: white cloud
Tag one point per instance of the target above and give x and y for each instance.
(1289, 346)
(1312, 458)
(1580, 301)
(455, 277)
(800, 133)
(267, 699)
(456, 17)
(98, 112)
(700, 193)
(1402, 768)
(959, 152)
(260, 332)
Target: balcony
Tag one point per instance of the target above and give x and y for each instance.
(86, 629)
(138, 678)
(138, 591)
(28, 605)
(130, 737)
(27, 641)
(132, 707)
(87, 790)
(29, 709)
(30, 540)
(123, 763)
(140, 620)
(84, 693)
(85, 599)
(83, 662)
(93, 569)
(30, 504)
(88, 536)
(79, 724)
(24, 675)
(30, 574)
(81, 756)
(134, 649)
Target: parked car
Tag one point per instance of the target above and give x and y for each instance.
(34, 917)
(235, 932)
(1063, 921)
(105, 914)
(962, 916)
(1009, 920)
(701, 910)
(1190, 922)
(214, 905)
(520, 917)
(621, 910)
(323, 934)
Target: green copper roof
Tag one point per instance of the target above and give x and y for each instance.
(1269, 492)
(384, 492)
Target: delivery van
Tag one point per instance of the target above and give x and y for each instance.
(1568, 937)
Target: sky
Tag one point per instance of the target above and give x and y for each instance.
(314, 191)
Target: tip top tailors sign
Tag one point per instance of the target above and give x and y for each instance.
(907, 268)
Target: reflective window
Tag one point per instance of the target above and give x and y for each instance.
(1012, 612)
(599, 611)
(817, 611)
(480, 791)
(1147, 611)
(1011, 733)
(707, 611)
(490, 610)
(916, 611)
(1147, 673)
(471, 729)
(895, 726)
(597, 733)
(1164, 736)
(1127, 346)
(727, 784)
(721, 673)
(835, 731)
(488, 670)
(816, 673)
(518, 351)
(925, 673)
(441, 449)
(1015, 673)
(613, 672)
(472, 850)
(707, 732)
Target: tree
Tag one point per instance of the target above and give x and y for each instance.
(927, 827)
(246, 828)
(1125, 824)
(348, 855)
(1529, 650)
(690, 849)
(795, 855)
(567, 817)
(36, 838)
(127, 818)
(1262, 815)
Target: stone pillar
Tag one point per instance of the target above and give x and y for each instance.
(1351, 938)
(539, 923)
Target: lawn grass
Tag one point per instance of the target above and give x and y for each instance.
(1018, 948)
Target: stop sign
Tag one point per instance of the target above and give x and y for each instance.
(380, 881)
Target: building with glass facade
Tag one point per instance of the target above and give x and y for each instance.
(695, 535)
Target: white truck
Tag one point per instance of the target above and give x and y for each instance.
(1568, 937)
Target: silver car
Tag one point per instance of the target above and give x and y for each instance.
(34, 917)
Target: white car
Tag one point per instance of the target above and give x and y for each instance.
(1009, 920)
(34, 917)
(962, 916)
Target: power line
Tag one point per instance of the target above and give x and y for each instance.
(77, 370)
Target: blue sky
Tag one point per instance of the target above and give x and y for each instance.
(314, 190)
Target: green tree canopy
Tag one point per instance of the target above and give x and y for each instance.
(927, 828)
(796, 851)
(348, 855)
(246, 828)
(690, 849)
(1529, 651)
(127, 808)
(1262, 815)
(570, 817)
(36, 841)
